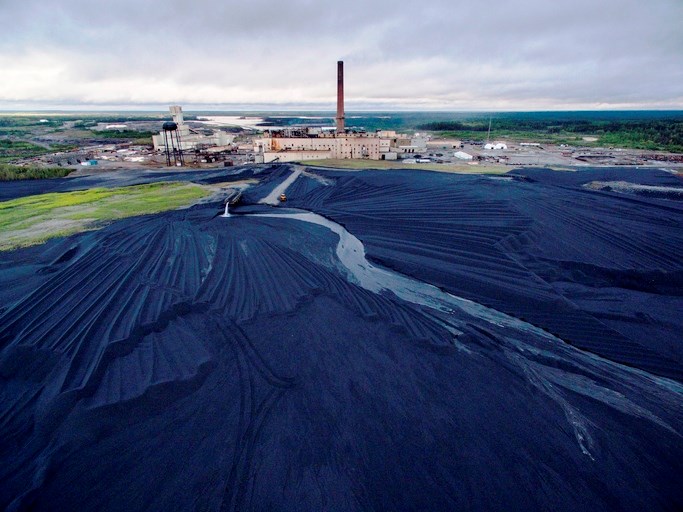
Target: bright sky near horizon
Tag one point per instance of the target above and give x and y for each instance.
(265, 54)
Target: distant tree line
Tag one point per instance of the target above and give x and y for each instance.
(656, 134)
(14, 172)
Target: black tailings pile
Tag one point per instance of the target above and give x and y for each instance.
(186, 361)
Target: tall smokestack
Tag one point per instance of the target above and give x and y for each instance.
(340, 96)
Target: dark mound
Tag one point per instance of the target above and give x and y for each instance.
(601, 271)
(186, 361)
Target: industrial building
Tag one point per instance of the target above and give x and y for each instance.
(188, 138)
(317, 143)
(444, 144)
(461, 155)
(313, 144)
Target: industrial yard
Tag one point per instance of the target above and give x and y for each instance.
(445, 142)
(85, 152)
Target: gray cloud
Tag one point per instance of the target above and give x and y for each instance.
(496, 54)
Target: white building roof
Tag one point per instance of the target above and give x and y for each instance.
(496, 145)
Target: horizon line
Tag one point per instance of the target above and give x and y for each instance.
(330, 110)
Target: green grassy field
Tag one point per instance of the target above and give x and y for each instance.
(34, 219)
(384, 164)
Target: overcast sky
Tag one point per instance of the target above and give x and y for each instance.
(417, 55)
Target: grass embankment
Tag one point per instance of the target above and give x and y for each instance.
(15, 172)
(34, 219)
(389, 164)
(16, 149)
(133, 136)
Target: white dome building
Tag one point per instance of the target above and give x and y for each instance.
(496, 145)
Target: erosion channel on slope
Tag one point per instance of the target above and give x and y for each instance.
(523, 342)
